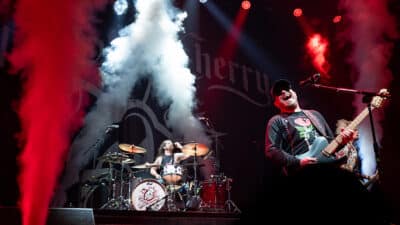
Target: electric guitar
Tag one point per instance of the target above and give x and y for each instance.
(324, 151)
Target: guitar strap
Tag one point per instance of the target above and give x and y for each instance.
(315, 122)
(284, 126)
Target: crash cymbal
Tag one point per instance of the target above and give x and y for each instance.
(197, 149)
(131, 148)
(116, 157)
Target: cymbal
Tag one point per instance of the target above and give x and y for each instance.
(116, 157)
(197, 149)
(131, 148)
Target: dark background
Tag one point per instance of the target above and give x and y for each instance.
(278, 36)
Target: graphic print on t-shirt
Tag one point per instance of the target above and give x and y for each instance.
(305, 128)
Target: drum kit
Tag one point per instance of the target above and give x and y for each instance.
(172, 193)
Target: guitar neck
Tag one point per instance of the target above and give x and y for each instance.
(332, 147)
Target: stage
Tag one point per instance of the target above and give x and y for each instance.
(87, 216)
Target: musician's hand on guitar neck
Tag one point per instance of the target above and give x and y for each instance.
(348, 135)
(307, 161)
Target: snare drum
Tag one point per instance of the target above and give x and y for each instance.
(148, 193)
(172, 174)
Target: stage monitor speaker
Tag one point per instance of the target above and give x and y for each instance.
(56, 216)
(70, 216)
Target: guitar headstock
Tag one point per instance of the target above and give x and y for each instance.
(379, 98)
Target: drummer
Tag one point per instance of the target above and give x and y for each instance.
(169, 153)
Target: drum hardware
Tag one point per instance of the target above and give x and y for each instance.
(194, 149)
(171, 206)
(150, 207)
(119, 202)
(116, 157)
(94, 175)
(208, 155)
(174, 198)
(132, 149)
(229, 204)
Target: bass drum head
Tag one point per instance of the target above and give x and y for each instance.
(148, 193)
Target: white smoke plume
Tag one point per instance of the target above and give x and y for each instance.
(371, 30)
(147, 47)
(150, 46)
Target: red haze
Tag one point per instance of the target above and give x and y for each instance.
(53, 51)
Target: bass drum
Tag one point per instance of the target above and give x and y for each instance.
(149, 194)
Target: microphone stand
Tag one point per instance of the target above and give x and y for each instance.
(366, 99)
(345, 90)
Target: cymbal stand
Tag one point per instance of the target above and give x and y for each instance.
(131, 178)
(120, 202)
(195, 170)
(229, 203)
(210, 126)
(193, 201)
(112, 178)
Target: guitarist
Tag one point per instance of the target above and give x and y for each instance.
(293, 130)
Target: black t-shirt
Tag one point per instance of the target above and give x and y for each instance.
(288, 135)
(302, 132)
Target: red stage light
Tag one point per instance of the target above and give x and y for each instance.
(246, 5)
(297, 12)
(337, 19)
(317, 47)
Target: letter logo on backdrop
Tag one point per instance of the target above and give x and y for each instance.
(245, 82)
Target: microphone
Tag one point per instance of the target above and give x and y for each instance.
(310, 80)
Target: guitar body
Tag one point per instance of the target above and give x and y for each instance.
(320, 143)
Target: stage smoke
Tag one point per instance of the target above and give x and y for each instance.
(53, 51)
(371, 30)
(149, 47)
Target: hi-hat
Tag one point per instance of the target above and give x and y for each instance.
(193, 149)
(116, 157)
(131, 148)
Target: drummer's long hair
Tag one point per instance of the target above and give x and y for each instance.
(160, 151)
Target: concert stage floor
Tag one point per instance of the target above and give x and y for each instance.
(108, 217)
(87, 216)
